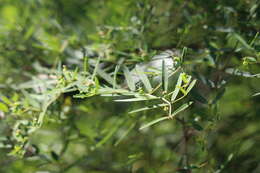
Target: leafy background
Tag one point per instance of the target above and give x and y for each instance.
(87, 135)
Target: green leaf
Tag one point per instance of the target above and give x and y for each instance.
(6, 100)
(184, 50)
(153, 122)
(138, 98)
(129, 79)
(106, 77)
(242, 41)
(165, 77)
(144, 79)
(97, 85)
(110, 133)
(256, 94)
(107, 90)
(238, 72)
(254, 39)
(125, 134)
(3, 107)
(192, 84)
(86, 65)
(249, 60)
(115, 75)
(177, 87)
(131, 100)
(181, 108)
(47, 102)
(148, 108)
(107, 137)
(95, 69)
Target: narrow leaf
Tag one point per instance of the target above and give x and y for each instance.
(107, 90)
(192, 84)
(181, 108)
(153, 122)
(86, 65)
(238, 72)
(106, 77)
(144, 79)
(177, 87)
(256, 94)
(129, 79)
(254, 39)
(95, 69)
(242, 41)
(125, 134)
(148, 108)
(115, 75)
(165, 77)
(184, 50)
(131, 100)
(139, 98)
(107, 137)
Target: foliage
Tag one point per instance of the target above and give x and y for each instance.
(129, 86)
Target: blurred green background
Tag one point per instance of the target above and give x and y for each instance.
(85, 135)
